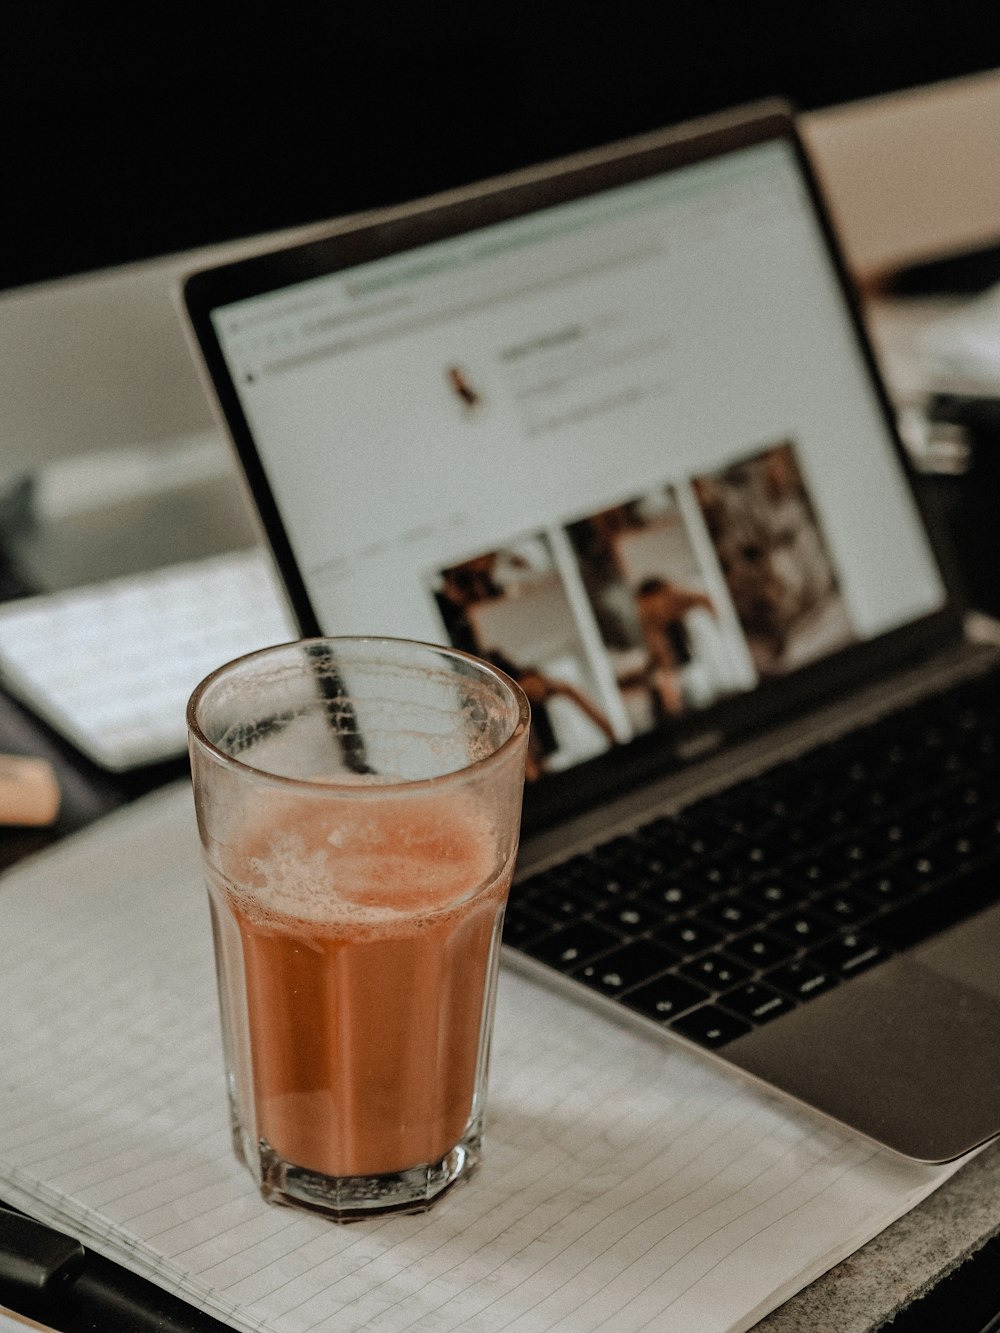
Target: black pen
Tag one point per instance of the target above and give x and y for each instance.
(50, 1277)
(37, 1264)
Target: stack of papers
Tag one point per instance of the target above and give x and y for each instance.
(625, 1185)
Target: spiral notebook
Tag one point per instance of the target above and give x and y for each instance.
(623, 1185)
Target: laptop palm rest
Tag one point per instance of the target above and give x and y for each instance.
(908, 1053)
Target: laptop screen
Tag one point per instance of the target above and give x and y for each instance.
(628, 445)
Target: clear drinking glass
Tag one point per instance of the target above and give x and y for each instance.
(358, 804)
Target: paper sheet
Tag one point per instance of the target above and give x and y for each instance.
(626, 1184)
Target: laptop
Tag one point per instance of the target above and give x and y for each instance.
(614, 424)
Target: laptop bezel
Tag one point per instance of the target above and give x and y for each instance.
(363, 238)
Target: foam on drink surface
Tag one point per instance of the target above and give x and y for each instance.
(347, 864)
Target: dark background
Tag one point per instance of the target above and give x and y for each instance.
(165, 128)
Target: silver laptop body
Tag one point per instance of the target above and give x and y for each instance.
(614, 423)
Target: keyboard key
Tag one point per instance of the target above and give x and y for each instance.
(901, 831)
(801, 928)
(673, 897)
(560, 907)
(756, 855)
(632, 916)
(818, 873)
(850, 954)
(596, 876)
(922, 869)
(723, 875)
(623, 968)
(761, 949)
(731, 914)
(689, 936)
(715, 970)
(771, 894)
(858, 853)
(843, 908)
(971, 842)
(666, 997)
(652, 866)
(521, 925)
(585, 880)
(802, 979)
(548, 900)
(887, 885)
(756, 1001)
(710, 1026)
(565, 949)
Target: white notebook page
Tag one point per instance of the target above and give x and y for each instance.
(625, 1184)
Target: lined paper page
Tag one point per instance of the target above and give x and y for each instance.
(625, 1184)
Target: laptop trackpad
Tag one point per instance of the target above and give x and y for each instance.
(908, 1053)
(970, 954)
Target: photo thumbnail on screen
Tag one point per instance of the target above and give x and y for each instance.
(512, 607)
(775, 559)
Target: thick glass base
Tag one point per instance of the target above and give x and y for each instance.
(351, 1198)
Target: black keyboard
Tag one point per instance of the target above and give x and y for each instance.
(757, 899)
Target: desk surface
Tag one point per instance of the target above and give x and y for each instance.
(906, 1262)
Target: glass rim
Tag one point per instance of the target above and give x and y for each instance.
(361, 791)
